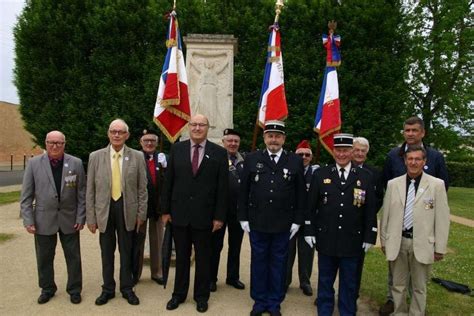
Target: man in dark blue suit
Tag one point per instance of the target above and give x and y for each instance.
(413, 132)
(271, 206)
(195, 201)
(305, 252)
(341, 204)
(231, 142)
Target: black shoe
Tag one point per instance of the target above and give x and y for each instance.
(387, 308)
(213, 286)
(237, 284)
(201, 307)
(104, 298)
(275, 313)
(255, 313)
(158, 280)
(173, 303)
(307, 290)
(131, 298)
(76, 298)
(45, 297)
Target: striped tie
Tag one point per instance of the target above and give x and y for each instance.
(408, 218)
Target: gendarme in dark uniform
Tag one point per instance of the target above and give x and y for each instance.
(344, 223)
(271, 205)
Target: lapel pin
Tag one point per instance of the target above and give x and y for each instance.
(207, 156)
(126, 158)
(66, 165)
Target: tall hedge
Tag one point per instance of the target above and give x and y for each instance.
(81, 63)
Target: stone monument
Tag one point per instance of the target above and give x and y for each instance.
(210, 69)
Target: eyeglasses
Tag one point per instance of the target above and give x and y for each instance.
(149, 141)
(197, 124)
(58, 144)
(117, 132)
(304, 155)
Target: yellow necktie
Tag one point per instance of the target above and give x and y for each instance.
(116, 179)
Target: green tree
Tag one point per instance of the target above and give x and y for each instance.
(440, 67)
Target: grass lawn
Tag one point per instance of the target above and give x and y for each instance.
(461, 201)
(9, 197)
(5, 237)
(457, 266)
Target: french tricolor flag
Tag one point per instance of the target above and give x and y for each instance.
(172, 110)
(272, 105)
(328, 114)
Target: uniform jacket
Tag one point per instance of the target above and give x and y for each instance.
(395, 164)
(235, 175)
(99, 187)
(154, 192)
(39, 203)
(272, 196)
(196, 200)
(345, 214)
(378, 185)
(430, 218)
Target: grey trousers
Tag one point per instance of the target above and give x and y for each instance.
(45, 246)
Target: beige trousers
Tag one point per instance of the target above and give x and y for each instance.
(155, 237)
(404, 268)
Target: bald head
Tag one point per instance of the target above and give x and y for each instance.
(198, 128)
(55, 142)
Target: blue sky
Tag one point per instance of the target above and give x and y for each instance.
(9, 11)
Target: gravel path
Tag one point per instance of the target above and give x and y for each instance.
(19, 283)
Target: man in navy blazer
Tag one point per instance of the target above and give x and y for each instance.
(195, 201)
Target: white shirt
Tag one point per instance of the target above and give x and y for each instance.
(278, 154)
(347, 169)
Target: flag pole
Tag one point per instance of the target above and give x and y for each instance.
(278, 6)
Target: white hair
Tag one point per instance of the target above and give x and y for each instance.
(121, 121)
(362, 141)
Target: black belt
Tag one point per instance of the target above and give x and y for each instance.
(407, 233)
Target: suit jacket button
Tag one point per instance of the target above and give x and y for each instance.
(339, 227)
(271, 201)
(342, 193)
(340, 215)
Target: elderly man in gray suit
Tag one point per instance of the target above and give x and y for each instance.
(116, 204)
(52, 203)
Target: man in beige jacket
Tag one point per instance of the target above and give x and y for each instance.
(116, 204)
(414, 230)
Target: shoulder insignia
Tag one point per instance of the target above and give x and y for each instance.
(327, 181)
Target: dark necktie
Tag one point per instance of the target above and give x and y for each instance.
(195, 161)
(343, 178)
(55, 162)
(233, 159)
(273, 158)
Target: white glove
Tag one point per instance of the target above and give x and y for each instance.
(294, 229)
(245, 226)
(366, 246)
(310, 240)
(162, 160)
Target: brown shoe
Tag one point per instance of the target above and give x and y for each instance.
(387, 308)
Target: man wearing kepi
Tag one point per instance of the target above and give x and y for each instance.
(305, 252)
(116, 204)
(414, 230)
(53, 202)
(195, 201)
(271, 210)
(342, 202)
(231, 142)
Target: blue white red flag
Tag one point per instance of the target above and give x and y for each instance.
(272, 105)
(328, 114)
(172, 110)
(332, 43)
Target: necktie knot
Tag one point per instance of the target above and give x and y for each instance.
(273, 158)
(412, 181)
(342, 170)
(117, 156)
